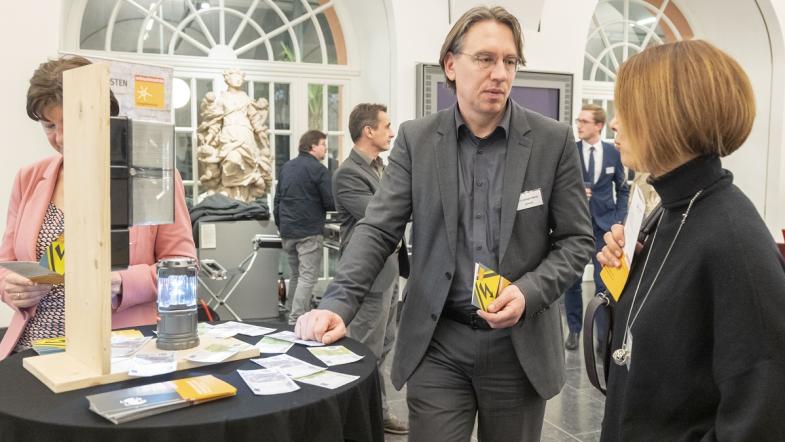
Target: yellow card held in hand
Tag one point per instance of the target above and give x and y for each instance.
(488, 285)
(53, 260)
(615, 278)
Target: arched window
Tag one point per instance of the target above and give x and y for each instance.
(620, 29)
(294, 31)
(292, 52)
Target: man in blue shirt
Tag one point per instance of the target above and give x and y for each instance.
(302, 197)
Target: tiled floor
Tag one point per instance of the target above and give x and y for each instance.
(574, 415)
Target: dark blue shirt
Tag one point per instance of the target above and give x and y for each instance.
(480, 179)
(302, 197)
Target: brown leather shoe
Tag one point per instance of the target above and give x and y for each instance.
(393, 425)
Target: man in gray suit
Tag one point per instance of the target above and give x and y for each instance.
(354, 183)
(489, 182)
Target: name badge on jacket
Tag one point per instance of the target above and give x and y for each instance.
(610, 170)
(529, 199)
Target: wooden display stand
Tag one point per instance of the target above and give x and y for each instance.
(88, 317)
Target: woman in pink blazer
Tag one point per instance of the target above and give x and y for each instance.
(38, 192)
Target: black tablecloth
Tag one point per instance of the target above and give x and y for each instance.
(29, 411)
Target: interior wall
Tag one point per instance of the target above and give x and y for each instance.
(365, 25)
(725, 30)
(773, 12)
(28, 37)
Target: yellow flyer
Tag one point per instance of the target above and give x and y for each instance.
(615, 278)
(203, 388)
(55, 255)
(488, 285)
(131, 333)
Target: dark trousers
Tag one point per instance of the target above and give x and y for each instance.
(573, 297)
(468, 374)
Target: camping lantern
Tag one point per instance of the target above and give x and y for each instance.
(177, 304)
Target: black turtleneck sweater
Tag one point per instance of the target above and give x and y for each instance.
(708, 354)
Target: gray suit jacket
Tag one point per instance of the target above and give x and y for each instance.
(542, 249)
(354, 184)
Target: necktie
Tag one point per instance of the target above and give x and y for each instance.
(591, 164)
(378, 166)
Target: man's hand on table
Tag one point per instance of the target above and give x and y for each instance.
(320, 325)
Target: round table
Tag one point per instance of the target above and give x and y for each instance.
(29, 411)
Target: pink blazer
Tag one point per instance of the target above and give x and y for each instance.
(30, 196)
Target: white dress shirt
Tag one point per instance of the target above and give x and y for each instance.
(597, 158)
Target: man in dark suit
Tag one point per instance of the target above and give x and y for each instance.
(485, 181)
(354, 183)
(603, 176)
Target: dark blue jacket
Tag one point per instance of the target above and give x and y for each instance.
(302, 197)
(606, 212)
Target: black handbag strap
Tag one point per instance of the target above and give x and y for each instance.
(602, 302)
(599, 303)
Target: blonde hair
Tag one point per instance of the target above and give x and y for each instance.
(681, 100)
(597, 112)
(453, 43)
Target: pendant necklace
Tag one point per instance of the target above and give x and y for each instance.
(622, 356)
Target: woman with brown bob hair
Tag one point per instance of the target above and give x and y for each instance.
(36, 219)
(698, 348)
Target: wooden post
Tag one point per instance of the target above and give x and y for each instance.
(88, 321)
(88, 316)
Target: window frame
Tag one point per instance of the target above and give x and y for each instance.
(665, 12)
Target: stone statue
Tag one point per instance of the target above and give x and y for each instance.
(233, 146)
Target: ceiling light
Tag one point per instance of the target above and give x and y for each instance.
(181, 93)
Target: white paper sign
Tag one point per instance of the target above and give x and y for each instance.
(272, 345)
(632, 225)
(529, 199)
(291, 337)
(242, 329)
(207, 236)
(217, 352)
(143, 91)
(126, 346)
(267, 381)
(292, 367)
(328, 379)
(335, 355)
(153, 364)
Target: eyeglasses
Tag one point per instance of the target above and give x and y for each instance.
(580, 121)
(487, 61)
